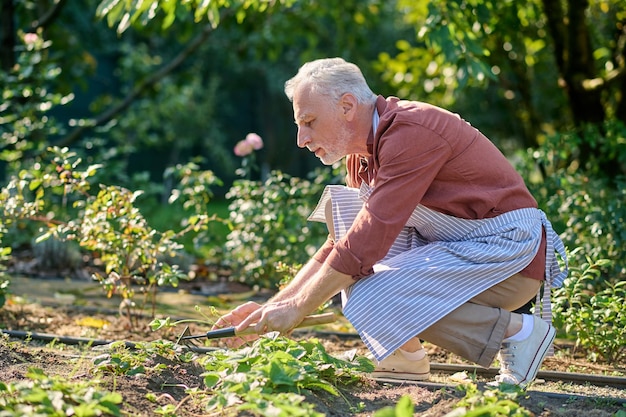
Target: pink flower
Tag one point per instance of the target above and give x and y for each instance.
(255, 140)
(252, 142)
(30, 38)
(243, 148)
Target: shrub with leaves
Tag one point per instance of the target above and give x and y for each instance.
(43, 395)
(586, 204)
(269, 377)
(493, 402)
(58, 195)
(27, 98)
(593, 312)
(268, 221)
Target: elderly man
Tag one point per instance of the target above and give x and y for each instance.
(436, 237)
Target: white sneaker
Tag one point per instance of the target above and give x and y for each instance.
(520, 361)
(396, 366)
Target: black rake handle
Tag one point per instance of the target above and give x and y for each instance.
(311, 320)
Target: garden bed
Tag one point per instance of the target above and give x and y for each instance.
(166, 382)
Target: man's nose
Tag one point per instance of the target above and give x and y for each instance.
(303, 138)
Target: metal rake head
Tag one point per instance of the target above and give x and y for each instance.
(185, 340)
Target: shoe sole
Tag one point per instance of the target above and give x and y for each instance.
(410, 376)
(539, 356)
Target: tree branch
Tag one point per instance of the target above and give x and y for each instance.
(49, 16)
(109, 114)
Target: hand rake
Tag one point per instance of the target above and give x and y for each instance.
(187, 339)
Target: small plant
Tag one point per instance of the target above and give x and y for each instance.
(493, 402)
(122, 360)
(43, 395)
(594, 313)
(207, 320)
(269, 377)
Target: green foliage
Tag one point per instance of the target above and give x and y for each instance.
(27, 99)
(461, 44)
(268, 377)
(585, 203)
(166, 127)
(592, 311)
(206, 320)
(125, 13)
(122, 360)
(588, 205)
(269, 226)
(508, 50)
(493, 402)
(108, 223)
(43, 395)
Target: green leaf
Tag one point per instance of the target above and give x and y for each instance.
(405, 407)
(211, 379)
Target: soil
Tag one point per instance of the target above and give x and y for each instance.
(52, 307)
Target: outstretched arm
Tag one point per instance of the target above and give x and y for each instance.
(298, 286)
(302, 297)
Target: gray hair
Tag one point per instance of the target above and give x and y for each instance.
(332, 77)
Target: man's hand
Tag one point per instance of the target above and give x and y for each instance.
(234, 318)
(278, 316)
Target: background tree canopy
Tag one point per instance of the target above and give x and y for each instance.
(182, 78)
(140, 87)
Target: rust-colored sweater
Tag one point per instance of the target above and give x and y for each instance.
(422, 154)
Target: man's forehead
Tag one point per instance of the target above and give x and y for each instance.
(303, 103)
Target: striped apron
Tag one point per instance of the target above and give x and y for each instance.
(437, 263)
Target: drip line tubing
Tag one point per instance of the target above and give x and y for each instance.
(597, 380)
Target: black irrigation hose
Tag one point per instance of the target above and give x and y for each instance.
(556, 395)
(598, 380)
(71, 340)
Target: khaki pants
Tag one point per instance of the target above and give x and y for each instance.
(475, 330)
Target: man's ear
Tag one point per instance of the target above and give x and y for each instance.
(348, 105)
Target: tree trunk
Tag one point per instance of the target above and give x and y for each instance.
(7, 35)
(586, 104)
(574, 58)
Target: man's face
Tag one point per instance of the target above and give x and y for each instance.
(322, 129)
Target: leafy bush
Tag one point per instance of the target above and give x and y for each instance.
(27, 98)
(584, 203)
(494, 402)
(269, 226)
(269, 377)
(58, 195)
(44, 395)
(588, 205)
(593, 312)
